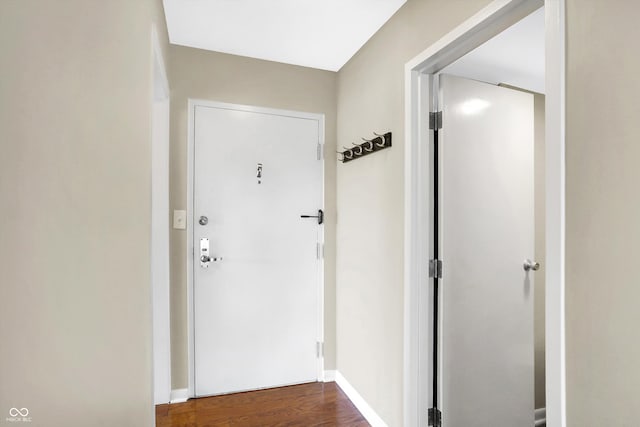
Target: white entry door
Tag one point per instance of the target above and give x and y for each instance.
(257, 300)
(486, 233)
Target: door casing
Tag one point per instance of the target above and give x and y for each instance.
(160, 286)
(192, 104)
(419, 100)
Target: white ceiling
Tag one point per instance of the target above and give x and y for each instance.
(322, 34)
(514, 57)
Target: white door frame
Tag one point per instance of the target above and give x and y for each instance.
(192, 104)
(491, 20)
(160, 286)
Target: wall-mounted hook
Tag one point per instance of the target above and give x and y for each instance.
(370, 143)
(382, 140)
(370, 149)
(369, 146)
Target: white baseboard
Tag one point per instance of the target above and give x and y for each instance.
(541, 417)
(179, 395)
(329, 376)
(358, 401)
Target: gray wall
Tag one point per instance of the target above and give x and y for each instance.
(214, 76)
(369, 262)
(75, 295)
(603, 213)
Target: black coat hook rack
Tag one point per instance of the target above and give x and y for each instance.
(369, 146)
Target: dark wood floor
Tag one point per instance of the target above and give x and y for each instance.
(314, 404)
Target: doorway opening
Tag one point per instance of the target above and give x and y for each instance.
(439, 340)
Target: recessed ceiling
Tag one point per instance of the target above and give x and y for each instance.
(514, 57)
(322, 34)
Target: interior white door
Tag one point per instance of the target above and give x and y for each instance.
(487, 231)
(257, 302)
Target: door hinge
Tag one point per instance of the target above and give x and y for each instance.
(435, 120)
(435, 268)
(319, 349)
(319, 151)
(434, 417)
(320, 250)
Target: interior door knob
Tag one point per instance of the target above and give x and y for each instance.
(531, 265)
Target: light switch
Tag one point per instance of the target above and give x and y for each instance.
(179, 219)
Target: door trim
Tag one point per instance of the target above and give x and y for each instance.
(192, 104)
(497, 16)
(160, 289)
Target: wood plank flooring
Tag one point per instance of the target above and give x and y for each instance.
(313, 404)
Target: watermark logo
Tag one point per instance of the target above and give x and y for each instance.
(18, 415)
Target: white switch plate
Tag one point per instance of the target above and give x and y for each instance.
(179, 219)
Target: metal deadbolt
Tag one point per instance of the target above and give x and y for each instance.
(203, 220)
(206, 258)
(531, 265)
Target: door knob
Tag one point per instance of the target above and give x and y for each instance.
(531, 265)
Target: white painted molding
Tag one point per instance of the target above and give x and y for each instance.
(555, 358)
(191, 369)
(472, 33)
(159, 241)
(179, 395)
(358, 401)
(329, 376)
(540, 417)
